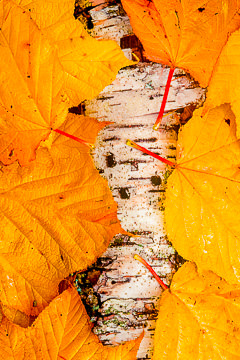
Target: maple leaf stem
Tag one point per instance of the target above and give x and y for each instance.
(72, 137)
(139, 258)
(165, 96)
(138, 147)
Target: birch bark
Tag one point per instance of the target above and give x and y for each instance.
(128, 294)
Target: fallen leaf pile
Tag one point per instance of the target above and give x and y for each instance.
(62, 330)
(57, 213)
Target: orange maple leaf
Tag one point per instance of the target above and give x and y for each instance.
(47, 13)
(89, 65)
(63, 331)
(44, 72)
(57, 214)
(31, 81)
(185, 34)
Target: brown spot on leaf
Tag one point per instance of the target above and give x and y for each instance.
(11, 153)
(26, 46)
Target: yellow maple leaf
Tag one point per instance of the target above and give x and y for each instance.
(198, 318)
(43, 72)
(48, 12)
(185, 34)
(203, 194)
(224, 86)
(182, 33)
(62, 331)
(31, 81)
(57, 216)
(89, 64)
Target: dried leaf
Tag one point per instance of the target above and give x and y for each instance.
(183, 33)
(199, 318)
(62, 331)
(203, 194)
(57, 216)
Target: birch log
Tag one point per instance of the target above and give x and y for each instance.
(128, 293)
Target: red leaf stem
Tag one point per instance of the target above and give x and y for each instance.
(162, 108)
(139, 258)
(138, 147)
(72, 137)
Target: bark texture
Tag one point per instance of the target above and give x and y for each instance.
(127, 293)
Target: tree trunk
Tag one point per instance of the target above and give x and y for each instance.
(128, 293)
